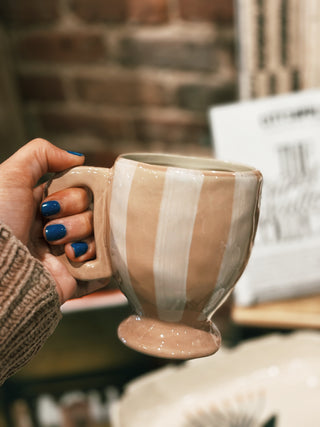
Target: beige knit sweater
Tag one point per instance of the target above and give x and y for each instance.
(29, 304)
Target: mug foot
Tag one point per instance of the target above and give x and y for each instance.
(168, 340)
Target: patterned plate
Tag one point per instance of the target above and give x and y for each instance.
(267, 382)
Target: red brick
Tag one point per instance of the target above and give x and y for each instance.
(100, 10)
(127, 90)
(172, 130)
(147, 11)
(109, 127)
(169, 53)
(139, 11)
(31, 11)
(42, 88)
(66, 47)
(207, 10)
(199, 97)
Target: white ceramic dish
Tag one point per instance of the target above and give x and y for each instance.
(271, 381)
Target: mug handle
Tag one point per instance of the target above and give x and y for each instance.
(98, 180)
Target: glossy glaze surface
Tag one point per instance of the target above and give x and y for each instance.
(177, 233)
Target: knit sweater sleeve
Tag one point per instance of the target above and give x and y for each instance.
(29, 304)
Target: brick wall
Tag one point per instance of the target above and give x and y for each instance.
(122, 75)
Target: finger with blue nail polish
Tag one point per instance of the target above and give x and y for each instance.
(55, 232)
(66, 202)
(69, 229)
(79, 248)
(75, 153)
(81, 251)
(50, 208)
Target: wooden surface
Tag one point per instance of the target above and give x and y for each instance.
(295, 313)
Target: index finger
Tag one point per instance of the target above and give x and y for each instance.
(70, 201)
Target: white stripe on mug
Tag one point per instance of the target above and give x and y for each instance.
(171, 259)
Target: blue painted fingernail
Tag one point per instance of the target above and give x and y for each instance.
(50, 208)
(75, 153)
(55, 232)
(79, 248)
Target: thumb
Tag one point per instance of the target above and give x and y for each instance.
(39, 156)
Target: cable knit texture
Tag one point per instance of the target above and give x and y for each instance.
(29, 304)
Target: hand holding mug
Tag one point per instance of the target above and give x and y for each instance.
(21, 196)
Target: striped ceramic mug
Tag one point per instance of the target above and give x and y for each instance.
(176, 232)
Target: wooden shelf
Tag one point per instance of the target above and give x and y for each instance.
(294, 313)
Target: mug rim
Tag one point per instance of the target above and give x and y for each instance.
(205, 164)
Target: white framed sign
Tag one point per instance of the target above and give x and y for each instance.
(280, 136)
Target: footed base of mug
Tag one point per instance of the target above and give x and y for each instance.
(169, 340)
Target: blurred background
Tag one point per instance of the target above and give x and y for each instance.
(115, 75)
